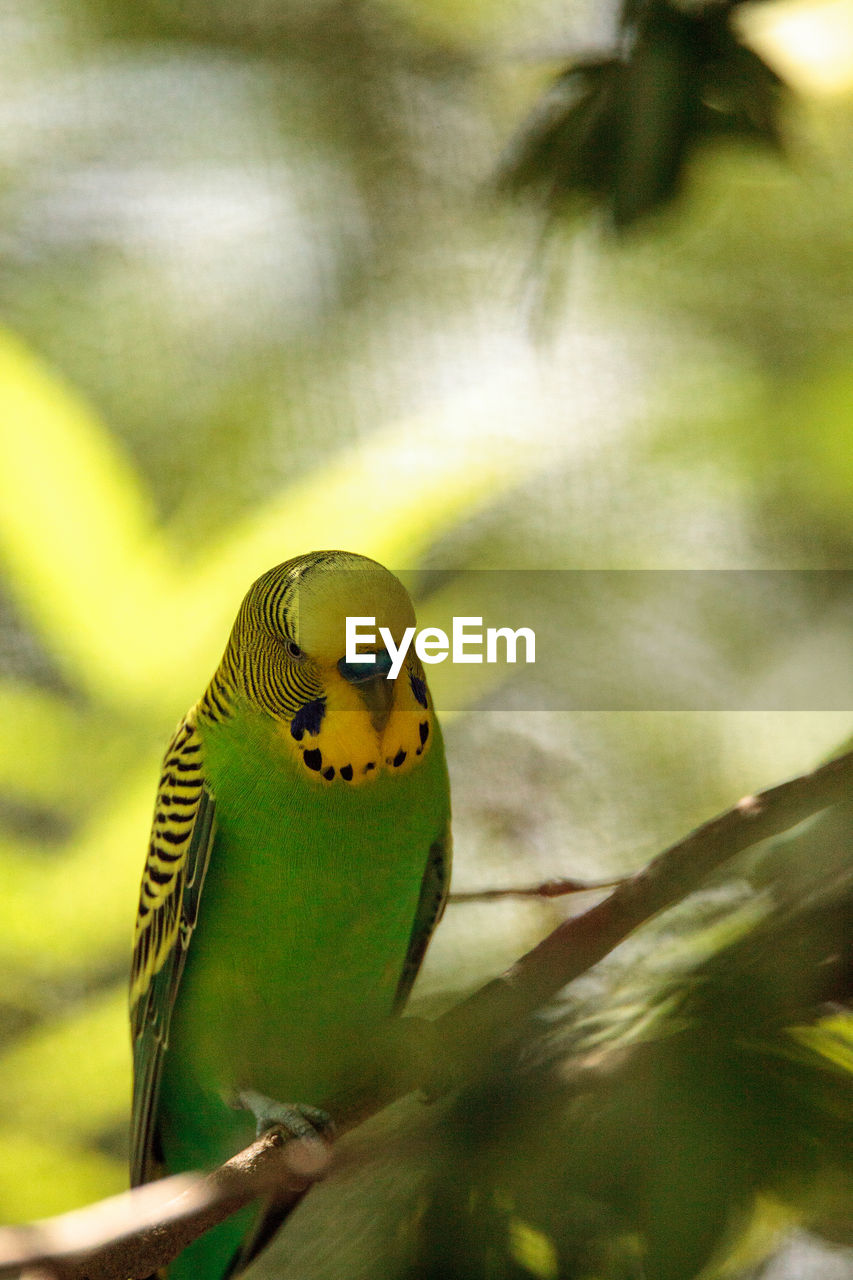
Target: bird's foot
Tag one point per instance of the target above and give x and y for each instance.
(297, 1118)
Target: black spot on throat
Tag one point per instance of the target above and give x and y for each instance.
(399, 758)
(308, 719)
(329, 773)
(419, 689)
(314, 759)
(346, 772)
(423, 730)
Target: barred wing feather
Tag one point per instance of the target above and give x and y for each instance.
(178, 854)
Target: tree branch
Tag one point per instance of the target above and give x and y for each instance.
(133, 1234)
(559, 887)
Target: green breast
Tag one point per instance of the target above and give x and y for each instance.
(305, 918)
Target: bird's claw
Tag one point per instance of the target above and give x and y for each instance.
(297, 1118)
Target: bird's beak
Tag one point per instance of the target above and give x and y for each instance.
(378, 696)
(373, 686)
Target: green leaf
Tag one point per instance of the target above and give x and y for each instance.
(42, 1177)
(141, 629)
(49, 732)
(75, 914)
(70, 1080)
(77, 535)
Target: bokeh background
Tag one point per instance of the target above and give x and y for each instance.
(259, 295)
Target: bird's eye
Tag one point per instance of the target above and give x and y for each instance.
(294, 650)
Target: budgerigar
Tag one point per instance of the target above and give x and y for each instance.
(299, 861)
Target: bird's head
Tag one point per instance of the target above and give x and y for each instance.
(288, 656)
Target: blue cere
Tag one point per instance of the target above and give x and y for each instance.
(355, 672)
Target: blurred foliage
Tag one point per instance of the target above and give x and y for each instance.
(620, 130)
(255, 301)
(675, 1114)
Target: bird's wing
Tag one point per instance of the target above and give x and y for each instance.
(178, 854)
(435, 887)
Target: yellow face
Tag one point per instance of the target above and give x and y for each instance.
(324, 596)
(346, 723)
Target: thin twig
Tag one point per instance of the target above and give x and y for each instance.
(132, 1235)
(557, 888)
(493, 1013)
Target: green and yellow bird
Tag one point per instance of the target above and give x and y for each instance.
(299, 861)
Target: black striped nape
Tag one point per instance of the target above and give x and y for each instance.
(274, 605)
(256, 663)
(217, 701)
(271, 599)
